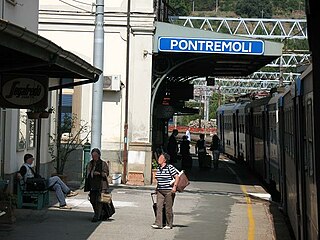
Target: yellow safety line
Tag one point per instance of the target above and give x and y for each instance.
(250, 214)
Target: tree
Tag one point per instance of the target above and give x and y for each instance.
(214, 104)
(181, 7)
(185, 120)
(254, 8)
(75, 134)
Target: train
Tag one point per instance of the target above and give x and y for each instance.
(273, 136)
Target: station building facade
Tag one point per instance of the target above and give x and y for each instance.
(31, 68)
(142, 53)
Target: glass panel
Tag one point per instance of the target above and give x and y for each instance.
(22, 126)
(31, 131)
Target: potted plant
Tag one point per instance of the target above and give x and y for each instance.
(34, 112)
(46, 113)
(33, 115)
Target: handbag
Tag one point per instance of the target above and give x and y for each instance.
(105, 198)
(36, 184)
(107, 210)
(183, 181)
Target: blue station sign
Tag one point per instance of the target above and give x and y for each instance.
(205, 45)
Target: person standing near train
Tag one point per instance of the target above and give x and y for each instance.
(186, 159)
(215, 148)
(200, 149)
(173, 147)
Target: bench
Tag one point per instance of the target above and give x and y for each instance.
(32, 199)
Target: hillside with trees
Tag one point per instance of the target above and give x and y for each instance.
(285, 9)
(239, 8)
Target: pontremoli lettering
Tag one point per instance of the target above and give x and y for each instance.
(211, 46)
(23, 92)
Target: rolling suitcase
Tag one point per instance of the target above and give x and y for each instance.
(154, 206)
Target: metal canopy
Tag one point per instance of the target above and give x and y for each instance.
(22, 51)
(208, 64)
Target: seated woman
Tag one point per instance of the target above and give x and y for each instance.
(60, 188)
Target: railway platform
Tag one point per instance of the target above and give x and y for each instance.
(225, 203)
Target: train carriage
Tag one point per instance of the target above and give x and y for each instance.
(272, 144)
(226, 123)
(306, 159)
(240, 116)
(279, 148)
(290, 166)
(257, 118)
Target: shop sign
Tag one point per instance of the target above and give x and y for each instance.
(23, 91)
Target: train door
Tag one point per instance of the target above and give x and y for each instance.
(234, 130)
(264, 140)
(267, 141)
(299, 135)
(309, 185)
(250, 137)
(236, 143)
(283, 190)
(221, 128)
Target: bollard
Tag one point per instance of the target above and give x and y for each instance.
(86, 157)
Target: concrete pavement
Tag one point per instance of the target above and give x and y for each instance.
(227, 203)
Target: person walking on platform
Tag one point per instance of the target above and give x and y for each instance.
(188, 134)
(186, 160)
(96, 182)
(165, 191)
(215, 148)
(200, 149)
(172, 146)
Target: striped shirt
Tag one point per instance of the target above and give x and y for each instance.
(165, 175)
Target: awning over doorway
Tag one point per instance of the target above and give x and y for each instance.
(209, 57)
(22, 51)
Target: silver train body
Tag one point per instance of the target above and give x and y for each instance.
(273, 136)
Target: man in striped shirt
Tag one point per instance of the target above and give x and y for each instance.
(165, 190)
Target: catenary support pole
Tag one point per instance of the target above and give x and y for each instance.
(125, 147)
(38, 145)
(97, 93)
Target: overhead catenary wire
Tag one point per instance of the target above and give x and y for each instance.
(71, 5)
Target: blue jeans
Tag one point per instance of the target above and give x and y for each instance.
(60, 188)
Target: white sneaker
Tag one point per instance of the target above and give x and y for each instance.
(155, 226)
(167, 227)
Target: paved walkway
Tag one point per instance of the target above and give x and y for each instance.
(216, 205)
